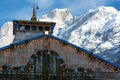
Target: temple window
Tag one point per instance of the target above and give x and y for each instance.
(34, 28)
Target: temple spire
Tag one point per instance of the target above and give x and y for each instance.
(33, 18)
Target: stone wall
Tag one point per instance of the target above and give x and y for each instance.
(73, 58)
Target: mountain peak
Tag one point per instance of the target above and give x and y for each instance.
(63, 14)
(107, 9)
(60, 16)
(103, 14)
(62, 10)
(104, 9)
(4, 29)
(6, 34)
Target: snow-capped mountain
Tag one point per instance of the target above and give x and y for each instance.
(6, 34)
(97, 31)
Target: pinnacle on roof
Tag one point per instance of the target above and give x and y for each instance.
(33, 18)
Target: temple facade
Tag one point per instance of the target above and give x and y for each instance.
(36, 54)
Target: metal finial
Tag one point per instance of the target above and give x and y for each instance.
(33, 18)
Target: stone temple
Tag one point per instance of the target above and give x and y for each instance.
(36, 54)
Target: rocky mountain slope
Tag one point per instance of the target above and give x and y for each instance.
(98, 30)
(6, 34)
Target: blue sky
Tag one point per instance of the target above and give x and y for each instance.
(22, 9)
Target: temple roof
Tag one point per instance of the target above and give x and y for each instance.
(63, 41)
(34, 23)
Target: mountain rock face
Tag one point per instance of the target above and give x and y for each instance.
(97, 31)
(6, 34)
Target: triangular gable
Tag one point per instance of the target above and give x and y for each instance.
(63, 41)
(86, 51)
(21, 42)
